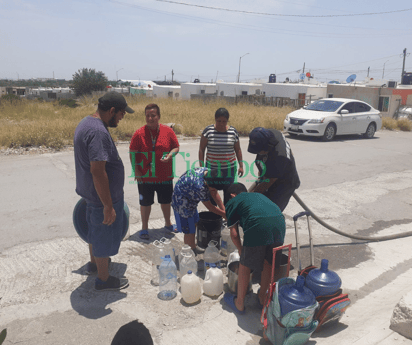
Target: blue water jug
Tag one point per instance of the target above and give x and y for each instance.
(295, 296)
(167, 279)
(321, 281)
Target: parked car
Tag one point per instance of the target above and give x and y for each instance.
(334, 116)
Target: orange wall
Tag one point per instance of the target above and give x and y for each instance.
(404, 94)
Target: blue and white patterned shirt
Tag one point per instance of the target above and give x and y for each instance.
(189, 190)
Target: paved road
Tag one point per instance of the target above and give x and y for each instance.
(359, 186)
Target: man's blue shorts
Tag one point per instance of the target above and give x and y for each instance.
(105, 239)
(186, 225)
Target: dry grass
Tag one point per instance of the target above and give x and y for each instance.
(34, 123)
(392, 124)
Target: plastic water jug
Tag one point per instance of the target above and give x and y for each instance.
(190, 288)
(234, 256)
(185, 249)
(167, 279)
(211, 255)
(322, 281)
(295, 296)
(188, 263)
(213, 283)
(169, 250)
(158, 252)
(226, 244)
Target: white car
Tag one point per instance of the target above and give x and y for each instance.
(334, 116)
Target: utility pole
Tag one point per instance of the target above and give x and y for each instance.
(368, 71)
(303, 68)
(403, 67)
(172, 76)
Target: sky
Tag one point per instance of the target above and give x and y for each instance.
(147, 39)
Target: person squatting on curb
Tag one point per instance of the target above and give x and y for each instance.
(100, 180)
(278, 177)
(264, 229)
(152, 149)
(190, 189)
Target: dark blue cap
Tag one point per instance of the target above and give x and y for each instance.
(258, 140)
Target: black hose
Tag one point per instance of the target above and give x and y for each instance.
(339, 232)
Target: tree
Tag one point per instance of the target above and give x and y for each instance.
(87, 80)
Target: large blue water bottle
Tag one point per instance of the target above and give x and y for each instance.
(167, 279)
(321, 281)
(295, 296)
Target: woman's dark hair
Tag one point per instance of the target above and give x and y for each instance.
(222, 112)
(152, 106)
(236, 188)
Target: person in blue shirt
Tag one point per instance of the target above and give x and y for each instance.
(264, 228)
(190, 189)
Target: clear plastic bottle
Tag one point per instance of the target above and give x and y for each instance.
(158, 252)
(185, 249)
(169, 250)
(226, 244)
(190, 288)
(211, 255)
(167, 279)
(188, 263)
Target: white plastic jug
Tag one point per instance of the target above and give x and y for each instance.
(234, 256)
(158, 252)
(185, 249)
(167, 279)
(211, 255)
(169, 250)
(226, 244)
(213, 284)
(188, 263)
(190, 288)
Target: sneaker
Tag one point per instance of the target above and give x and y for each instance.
(111, 284)
(91, 268)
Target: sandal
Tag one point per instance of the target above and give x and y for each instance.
(230, 301)
(144, 234)
(172, 228)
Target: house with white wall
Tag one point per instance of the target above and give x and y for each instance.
(164, 91)
(188, 89)
(237, 89)
(301, 91)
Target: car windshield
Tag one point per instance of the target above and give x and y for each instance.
(324, 105)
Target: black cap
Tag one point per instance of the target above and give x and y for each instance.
(258, 140)
(115, 99)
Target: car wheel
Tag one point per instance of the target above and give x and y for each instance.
(370, 132)
(330, 132)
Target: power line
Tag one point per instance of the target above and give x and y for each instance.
(285, 15)
(253, 27)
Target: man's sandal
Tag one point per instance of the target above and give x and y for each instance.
(144, 234)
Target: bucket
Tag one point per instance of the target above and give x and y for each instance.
(233, 278)
(80, 222)
(208, 228)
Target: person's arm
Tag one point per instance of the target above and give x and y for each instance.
(137, 173)
(214, 209)
(202, 149)
(101, 183)
(239, 157)
(170, 155)
(215, 195)
(262, 187)
(234, 235)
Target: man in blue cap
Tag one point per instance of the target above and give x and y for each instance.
(100, 181)
(278, 177)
